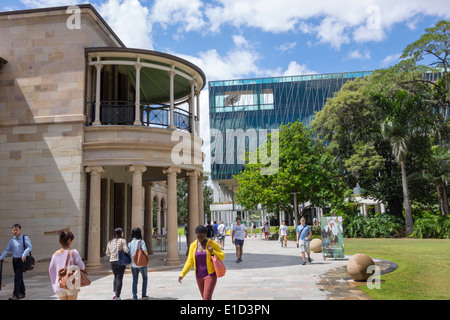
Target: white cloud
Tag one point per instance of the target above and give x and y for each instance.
(390, 60)
(355, 54)
(295, 69)
(130, 21)
(286, 46)
(333, 22)
(188, 14)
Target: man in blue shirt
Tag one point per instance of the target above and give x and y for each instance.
(19, 253)
(304, 234)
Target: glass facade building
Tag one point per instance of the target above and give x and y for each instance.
(242, 112)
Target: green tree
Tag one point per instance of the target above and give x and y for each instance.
(434, 45)
(305, 169)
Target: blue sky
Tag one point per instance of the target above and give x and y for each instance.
(234, 39)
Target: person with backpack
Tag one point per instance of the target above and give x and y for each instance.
(304, 235)
(19, 246)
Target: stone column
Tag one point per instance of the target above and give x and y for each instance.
(93, 261)
(193, 216)
(172, 223)
(201, 211)
(98, 67)
(148, 220)
(137, 219)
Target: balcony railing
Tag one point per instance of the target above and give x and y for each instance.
(117, 112)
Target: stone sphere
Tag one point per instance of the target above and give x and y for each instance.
(357, 266)
(316, 245)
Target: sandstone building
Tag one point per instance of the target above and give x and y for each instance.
(93, 135)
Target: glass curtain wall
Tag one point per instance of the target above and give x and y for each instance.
(243, 112)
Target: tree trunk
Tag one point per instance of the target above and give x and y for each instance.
(444, 199)
(408, 212)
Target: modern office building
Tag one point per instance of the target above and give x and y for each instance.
(87, 130)
(242, 112)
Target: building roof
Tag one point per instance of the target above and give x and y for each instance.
(64, 8)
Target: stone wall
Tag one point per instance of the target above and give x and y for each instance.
(42, 87)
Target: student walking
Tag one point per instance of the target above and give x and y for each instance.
(58, 262)
(304, 234)
(200, 257)
(19, 252)
(283, 234)
(266, 230)
(136, 243)
(112, 250)
(237, 238)
(221, 233)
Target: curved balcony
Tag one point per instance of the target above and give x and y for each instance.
(116, 112)
(121, 82)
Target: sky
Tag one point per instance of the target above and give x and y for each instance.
(238, 39)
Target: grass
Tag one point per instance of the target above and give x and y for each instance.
(423, 267)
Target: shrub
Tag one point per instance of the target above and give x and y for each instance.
(380, 226)
(432, 226)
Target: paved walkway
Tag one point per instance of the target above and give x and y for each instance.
(268, 272)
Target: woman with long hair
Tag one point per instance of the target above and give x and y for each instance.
(135, 243)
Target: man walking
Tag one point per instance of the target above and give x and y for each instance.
(304, 234)
(237, 237)
(19, 253)
(283, 234)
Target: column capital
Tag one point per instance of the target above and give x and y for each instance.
(138, 168)
(171, 170)
(95, 170)
(194, 173)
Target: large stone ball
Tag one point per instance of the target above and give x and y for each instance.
(357, 266)
(316, 245)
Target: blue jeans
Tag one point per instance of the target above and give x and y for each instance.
(135, 273)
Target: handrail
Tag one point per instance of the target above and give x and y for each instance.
(122, 112)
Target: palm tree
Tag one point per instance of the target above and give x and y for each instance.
(402, 123)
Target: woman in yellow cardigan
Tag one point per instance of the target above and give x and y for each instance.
(199, 257)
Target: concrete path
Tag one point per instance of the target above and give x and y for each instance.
(267, 272)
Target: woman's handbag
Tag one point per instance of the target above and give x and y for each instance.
(219, 267)
(68, 276)
(124, 258)
(139, 257)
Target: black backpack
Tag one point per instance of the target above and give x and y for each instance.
(209, 231)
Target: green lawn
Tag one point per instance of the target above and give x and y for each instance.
(423, 267)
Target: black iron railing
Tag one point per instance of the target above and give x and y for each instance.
(119, 112)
